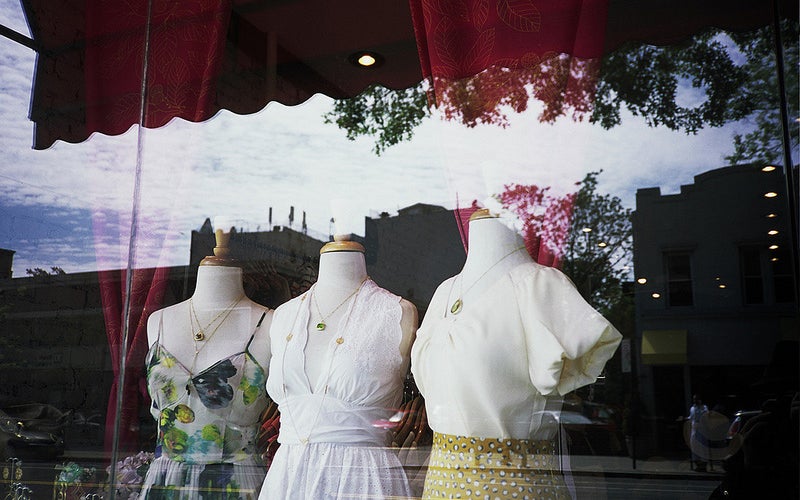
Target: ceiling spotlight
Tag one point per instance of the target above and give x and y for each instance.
(587, 230)
(771, 194)
(723, 285)
(774, 259)
(642, 281)
(772, 232)
(366, 59)
(656, 295)
(773, 247)
(768, 168)
(771, 215)
(602, 244)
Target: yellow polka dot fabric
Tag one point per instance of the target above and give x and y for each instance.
(496, 469)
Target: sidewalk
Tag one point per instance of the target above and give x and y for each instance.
(660, 467)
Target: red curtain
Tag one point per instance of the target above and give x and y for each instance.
(184, 53)
(146, 295)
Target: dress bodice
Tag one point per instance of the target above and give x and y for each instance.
(211, 416)
(498, 367)
(362, 376)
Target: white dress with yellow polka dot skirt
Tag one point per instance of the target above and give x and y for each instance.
(493, 374)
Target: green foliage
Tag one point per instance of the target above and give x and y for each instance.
(388, 115)
(645, 79)
(764, 143)
(598, 260)
(38, 272)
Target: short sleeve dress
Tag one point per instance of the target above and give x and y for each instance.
(333, 435)
(492, 376)
(207, 427)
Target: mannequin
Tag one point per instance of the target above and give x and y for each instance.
(207, 367)
(340, 353)
(500, 345)
(341, 270)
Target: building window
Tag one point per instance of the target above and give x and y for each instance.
(752, 275)
(679, 279)
(782, 281)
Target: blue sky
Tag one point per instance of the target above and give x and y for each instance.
(70, 205)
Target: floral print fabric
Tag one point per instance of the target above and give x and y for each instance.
(207, 426)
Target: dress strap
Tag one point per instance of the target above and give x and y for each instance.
(258, 325)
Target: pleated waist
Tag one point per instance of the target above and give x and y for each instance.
(315, 418)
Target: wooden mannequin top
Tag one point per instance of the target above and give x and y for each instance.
(341, 272)
(219, 289)
(494, 249)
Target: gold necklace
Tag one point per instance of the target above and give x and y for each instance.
(200, 333)
(459, 302)
(211, 335)
(322, 325)
(289, 337)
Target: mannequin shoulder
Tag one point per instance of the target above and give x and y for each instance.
(163, 318)
(410, 318)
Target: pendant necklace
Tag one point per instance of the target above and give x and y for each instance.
(339, 342)
(195, 338)
(458, 304)
(200, 334)
(322, 325)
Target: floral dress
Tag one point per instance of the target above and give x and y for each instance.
(207, 426)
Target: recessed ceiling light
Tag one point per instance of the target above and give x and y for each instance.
(771, 215)
(773, 247)
(656, 295)
(771, 194)
(602, 244)
(723, 285)
(768, 168)
(366, 59)
(587, 230)
(642, 281)
(772, 232)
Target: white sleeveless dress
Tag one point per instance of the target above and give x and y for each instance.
(333, 438)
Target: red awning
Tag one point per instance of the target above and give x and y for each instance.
(207, 55)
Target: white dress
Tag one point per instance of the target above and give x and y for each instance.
(495, 369)
(333, 436)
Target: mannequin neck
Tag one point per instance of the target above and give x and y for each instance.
(217, 286)
(340, 271)
(491, 243)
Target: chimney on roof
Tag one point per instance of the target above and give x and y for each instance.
(6, 261)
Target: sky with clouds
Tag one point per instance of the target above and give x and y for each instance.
(70, 205)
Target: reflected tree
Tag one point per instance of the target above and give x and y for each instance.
(711, 79)
(599, 247)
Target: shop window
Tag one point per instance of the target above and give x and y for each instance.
(679, 279)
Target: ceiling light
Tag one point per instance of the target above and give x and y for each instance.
(773, 247)
(366, 59)
(771, 215)
(587, 230)
(723, 285)
(771, 194)
(768, 168)
(774, 259)
(772, 232)
(602, 244)
(642, 281)
(656, 295)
